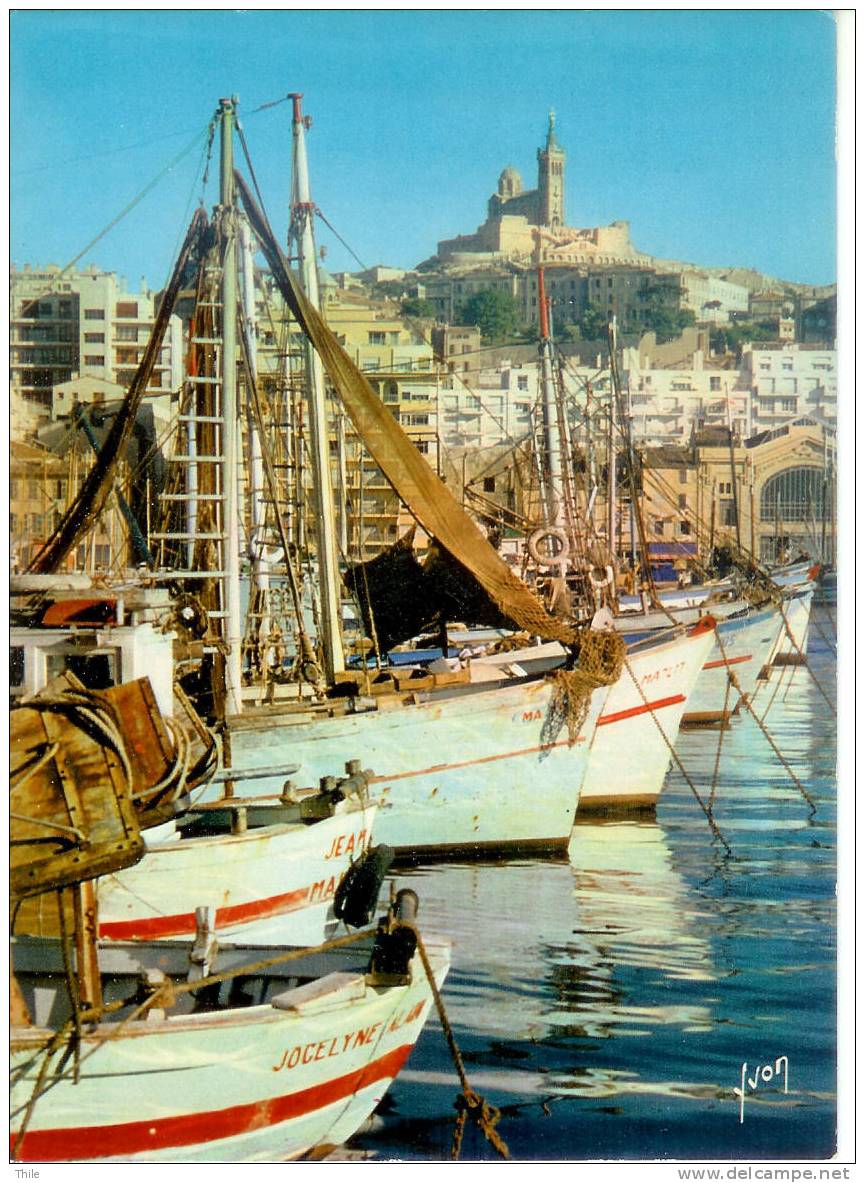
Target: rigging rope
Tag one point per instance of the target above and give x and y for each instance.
(132, 204)
(92, 495)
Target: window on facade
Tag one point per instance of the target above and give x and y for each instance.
(714, 383)
(789, 405)
(94, 314)
(659, 526)
(684, 527)
(729, 515)
(683, 476)
(683, 500)
(126, 309)
(422, 446)
(523, 382)
(94, 359)
(416, 420)
(130, 333)
(794, 495)
(489, 484)
(377, 338)
(94, 338)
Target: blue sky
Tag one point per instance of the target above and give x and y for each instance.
(711, 131)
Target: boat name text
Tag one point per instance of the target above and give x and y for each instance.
(324, 1049)
(347, 843)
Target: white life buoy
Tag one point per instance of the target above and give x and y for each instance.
(556, 533)
(607, 579)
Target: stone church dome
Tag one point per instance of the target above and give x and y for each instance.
(510, 183)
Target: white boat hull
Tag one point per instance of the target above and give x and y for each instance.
(472, 771)
(255, 1084)
(743, 646)
(791, 647)
(631, 747)
(275, 883)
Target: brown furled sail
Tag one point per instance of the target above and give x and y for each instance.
(426, 496)
(93, 494)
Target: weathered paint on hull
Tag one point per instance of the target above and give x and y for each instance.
(742, 645)
(629, 755)
(488, 769)
(251, 1085)
(276, 883)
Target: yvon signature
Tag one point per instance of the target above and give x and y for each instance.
(762, 1075)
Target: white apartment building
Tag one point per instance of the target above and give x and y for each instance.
(712, 299)
(498, 407)
(770, 385)
(788, 380)
(84, 324)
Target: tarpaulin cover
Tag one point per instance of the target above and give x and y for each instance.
(408, 597)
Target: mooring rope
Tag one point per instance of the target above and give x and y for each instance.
(743, 701)
(713, 825)
(468, 1103)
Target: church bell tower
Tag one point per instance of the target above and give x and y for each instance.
(551, 180)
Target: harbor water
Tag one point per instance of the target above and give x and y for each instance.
(610, 1004)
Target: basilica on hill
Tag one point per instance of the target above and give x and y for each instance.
(529, 225)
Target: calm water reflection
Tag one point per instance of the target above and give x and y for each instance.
(606, 1003)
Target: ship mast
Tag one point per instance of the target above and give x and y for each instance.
(555, 501)
(302, 212)
(233, 628)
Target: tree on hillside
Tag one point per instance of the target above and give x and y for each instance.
(729, 338)
(496, 314)
(592, 323)
(417, 306)
(666, 322)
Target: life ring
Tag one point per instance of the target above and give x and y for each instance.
(606, 581)
(551, 532)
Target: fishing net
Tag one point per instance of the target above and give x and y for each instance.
(601, 658)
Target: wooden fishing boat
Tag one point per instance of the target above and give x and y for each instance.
(457, 768)
(632, 745)
(272, 1060)
(272, 864)
(792, 643)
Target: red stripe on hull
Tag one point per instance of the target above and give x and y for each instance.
(83, 1143)
(713, 665)
(152, 928)
(545, 747)
(658, 705)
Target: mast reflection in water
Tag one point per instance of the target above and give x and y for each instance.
(606, 1004)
